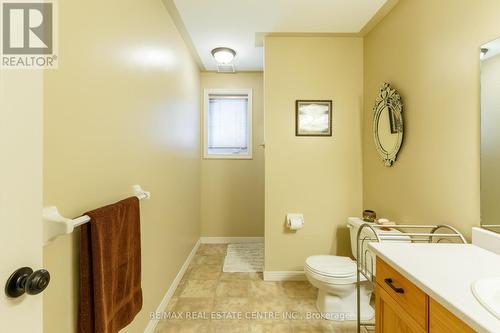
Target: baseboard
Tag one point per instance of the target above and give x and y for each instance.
(228, 240)
(284, 276)
(170, 292)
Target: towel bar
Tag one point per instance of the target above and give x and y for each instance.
(54, 224)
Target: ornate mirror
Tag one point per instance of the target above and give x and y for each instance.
(388, 124)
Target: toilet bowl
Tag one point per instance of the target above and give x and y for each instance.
(336, 278)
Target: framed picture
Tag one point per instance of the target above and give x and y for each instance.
(313, 118)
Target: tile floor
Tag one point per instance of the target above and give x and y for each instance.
(206, 292)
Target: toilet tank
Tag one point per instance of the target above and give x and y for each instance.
(354, 223)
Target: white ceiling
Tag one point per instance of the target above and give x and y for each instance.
(238, 24)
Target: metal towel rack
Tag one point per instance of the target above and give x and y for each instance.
(54, 224)
(365, 258)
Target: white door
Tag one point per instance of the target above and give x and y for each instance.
(21, 124)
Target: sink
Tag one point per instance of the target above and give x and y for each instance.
(487, 292)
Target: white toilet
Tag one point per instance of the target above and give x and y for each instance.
(335, 277)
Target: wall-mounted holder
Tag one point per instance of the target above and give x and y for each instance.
(54, 224)
(294, 221)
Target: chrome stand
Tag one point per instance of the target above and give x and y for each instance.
(424, 234)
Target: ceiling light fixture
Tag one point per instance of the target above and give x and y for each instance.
(483, 52)
(223, 55)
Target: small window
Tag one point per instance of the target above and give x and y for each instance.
(228, 124)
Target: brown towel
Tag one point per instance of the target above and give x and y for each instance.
(110, 268)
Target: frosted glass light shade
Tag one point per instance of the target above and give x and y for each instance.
(223, 55)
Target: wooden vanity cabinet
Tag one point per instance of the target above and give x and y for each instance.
(402, 307)
(391, 316)
(443, 321)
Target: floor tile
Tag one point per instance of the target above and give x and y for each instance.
(312, 327)
(267, 304)
(271, 327)
(205, 272)
(345, 327)
(182, 327)
(208, 260)
(232, 304)
(212, 249)
(200, 288)
(193, 304)
(260, 288)
(217, 302)
(233, 288)
(241, 276)
(222, 327)
(171, 304)
(299, 289)
(305, 307)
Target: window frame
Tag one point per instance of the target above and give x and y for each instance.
(207, 93)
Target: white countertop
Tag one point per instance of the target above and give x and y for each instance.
(446, 272)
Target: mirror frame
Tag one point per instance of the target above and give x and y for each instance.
(390, 98)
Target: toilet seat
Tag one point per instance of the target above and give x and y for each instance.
(334, 266)
(332, 269)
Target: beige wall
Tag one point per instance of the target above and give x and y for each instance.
(232, 191)
(320, 177)
(429, 51)
(490, 140)
(122, 109)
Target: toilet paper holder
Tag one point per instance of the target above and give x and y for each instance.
(294, 221)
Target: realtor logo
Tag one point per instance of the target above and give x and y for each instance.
(28, 34)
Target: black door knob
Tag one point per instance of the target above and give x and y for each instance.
(24, 280)
(37, 282)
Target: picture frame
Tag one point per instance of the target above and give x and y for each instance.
(313, 118)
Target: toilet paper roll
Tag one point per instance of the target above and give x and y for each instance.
(295, 221)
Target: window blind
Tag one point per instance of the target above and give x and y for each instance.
(227, 124)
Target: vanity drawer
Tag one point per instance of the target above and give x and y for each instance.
(404, 292)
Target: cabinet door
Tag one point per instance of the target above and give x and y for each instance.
(443, 321)
(392, 317)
